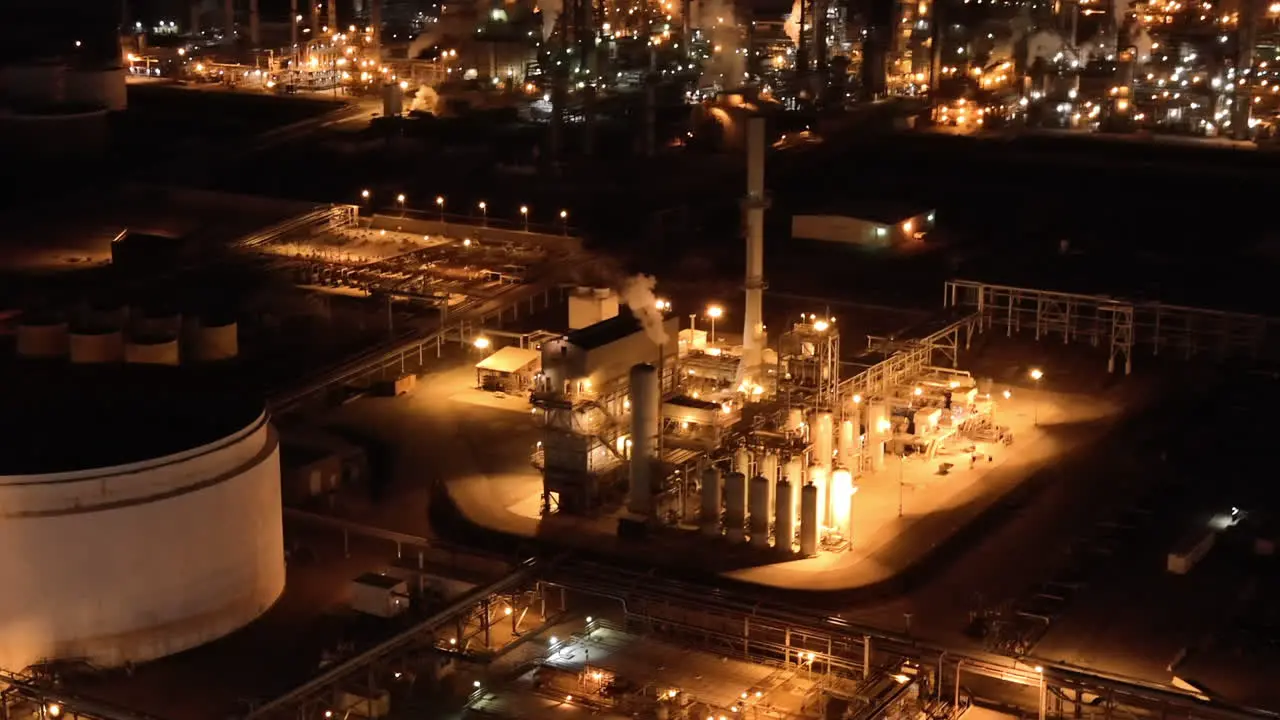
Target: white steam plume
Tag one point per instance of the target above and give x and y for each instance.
(637, 293)
(550, 11)
(718, 21)
(426, 100)
(792, 24)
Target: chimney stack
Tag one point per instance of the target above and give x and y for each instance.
(229, 22)
(755, 203)
(255, 26)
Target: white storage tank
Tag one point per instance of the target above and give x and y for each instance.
(818, 478)
(758, 503)
(842, 491)
(711, 491)
(847, 453)
(36, 84)
(769, 469)
(823, 435)
(97, 346)
(157, 323)
(392, 100)
(794, 472)
(877, 433)
(97, 87)
(42, 339)
(151, 350)
(742, 461)
(784, 522)
(809, 521)
(161, 534)
(795, 420)
(735, 507)
(211, 340)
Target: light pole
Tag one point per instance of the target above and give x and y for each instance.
(564, 222)
(1036, 374)
(484, 213)
(524, 214)
(364, 198)
(902, 460)
(400, 202)
(440, 204)
(714, 312)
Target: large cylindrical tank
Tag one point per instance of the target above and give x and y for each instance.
(769, 469)
(758, 504)
(877, 434)
(97, 87)
(97, 346)
(211, 340)
(646, 406)
(809, 521)
(392, 100)
(784, 521)
(795, 474)
(38, 84)
(104, 315)
(795, 420)
(143, 551)
(819, 479)
(846, 454)
(711, 494)
(823, 434)
(735, 507)
(152, 351)
(842, 501)
(41, 339)
(157, 323)
(742, 461)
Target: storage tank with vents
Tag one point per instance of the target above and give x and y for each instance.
(758, 502)
(95, 346)
(98, 87)
(152, 350)
(784, 523)
(711, 490)
(42, 338)
(41, 84)
(156, 322)
(809, 521)
(159, 531)
(735, 507)
(210, 339)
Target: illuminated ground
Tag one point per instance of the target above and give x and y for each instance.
(478, 445)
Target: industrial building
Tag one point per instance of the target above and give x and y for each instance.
(874, 229)
(761, 441)
(166, 477)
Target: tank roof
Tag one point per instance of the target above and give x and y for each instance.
(64, 418)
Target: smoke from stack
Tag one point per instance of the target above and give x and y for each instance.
(637, 293)
(550, 11)
(425, 100)
(719, 23)
(791, 26)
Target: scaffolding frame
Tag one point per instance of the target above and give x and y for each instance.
(816, 373)
(1121, 324)
(907, 359)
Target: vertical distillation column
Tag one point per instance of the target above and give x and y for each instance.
(315, 18)
(711, 499)
(645, 407)
(1246, 36)
(255, 25)
(755, 203)
(293, 33)
(195, 20)
(375, 22)
(333, 15)
(229, 22)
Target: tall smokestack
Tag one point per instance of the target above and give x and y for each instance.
(755, 203)
(195, 18)
(646, 405)
(375, 19)
(255, 26)
(333, 14)
(315, 18)
(229, 21)
(1246, 37)
(293, 26)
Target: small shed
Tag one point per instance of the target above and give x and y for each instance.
(510, 369)
(872, 228)
(379, 595)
